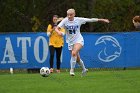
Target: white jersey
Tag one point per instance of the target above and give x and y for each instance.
(73, 28)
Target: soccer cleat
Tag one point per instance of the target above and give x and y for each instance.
(84, 72)
(72, 72)
(58, 71)
(51, 70)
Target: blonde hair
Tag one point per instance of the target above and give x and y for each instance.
(71, 11)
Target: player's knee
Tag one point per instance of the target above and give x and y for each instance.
(73, 53)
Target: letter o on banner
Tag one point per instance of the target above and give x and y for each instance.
(37, 49)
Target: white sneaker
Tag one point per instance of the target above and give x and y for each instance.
(72, 72)
(84, 72)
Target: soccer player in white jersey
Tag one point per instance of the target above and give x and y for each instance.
(74, 38)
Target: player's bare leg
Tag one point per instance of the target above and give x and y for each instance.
(74, 53)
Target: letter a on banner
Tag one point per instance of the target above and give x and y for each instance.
(8, 52)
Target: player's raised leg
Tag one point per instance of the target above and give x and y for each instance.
(81, 63)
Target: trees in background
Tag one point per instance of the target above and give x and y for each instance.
(34, 15)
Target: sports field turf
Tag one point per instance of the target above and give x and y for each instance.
(121, 81)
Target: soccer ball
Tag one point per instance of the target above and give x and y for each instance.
(45, 71)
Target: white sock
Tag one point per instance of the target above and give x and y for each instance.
(73, 62)
(81, 63)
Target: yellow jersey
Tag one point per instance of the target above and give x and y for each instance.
(55, 39)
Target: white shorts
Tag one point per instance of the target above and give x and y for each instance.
(71, 45)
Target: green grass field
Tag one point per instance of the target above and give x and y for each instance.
(121, 81)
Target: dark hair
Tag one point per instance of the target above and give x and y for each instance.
(53, 24)
(136, 19)
(55, 16)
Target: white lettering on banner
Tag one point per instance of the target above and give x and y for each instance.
(8, 52)
(24, 41)
(12, 53)
(36, 49)
(111, 48)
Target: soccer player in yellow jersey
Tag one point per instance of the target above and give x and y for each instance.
(56, 43)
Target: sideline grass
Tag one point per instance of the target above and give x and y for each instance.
(122, 81)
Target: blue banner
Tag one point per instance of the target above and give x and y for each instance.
(23, 50)
(101, 50)
(112, 50)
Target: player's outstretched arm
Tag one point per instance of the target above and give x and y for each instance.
(103, 20)
(96, 20)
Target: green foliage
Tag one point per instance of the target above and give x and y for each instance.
(16, 15)
(120, 12)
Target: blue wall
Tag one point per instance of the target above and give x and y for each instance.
(30, 50)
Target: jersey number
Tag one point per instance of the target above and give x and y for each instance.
(71, 31)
